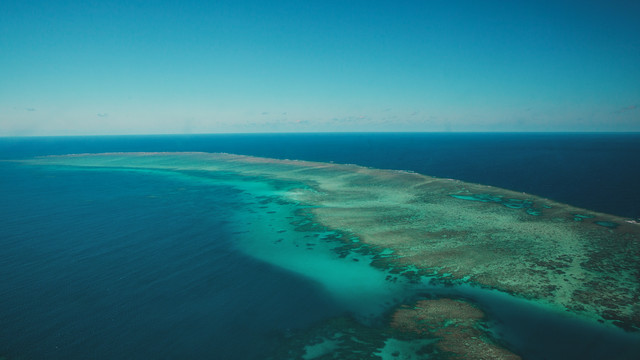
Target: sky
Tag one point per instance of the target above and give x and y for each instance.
(171, 67)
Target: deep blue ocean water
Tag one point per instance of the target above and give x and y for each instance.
(129, 264)
(597, 171)
(108, 265)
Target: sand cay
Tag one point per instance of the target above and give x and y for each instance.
(451, 232)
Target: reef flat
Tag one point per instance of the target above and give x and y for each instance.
(428, 329)
(454, 324)
(571, 259)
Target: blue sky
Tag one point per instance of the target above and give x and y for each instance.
(136, 67)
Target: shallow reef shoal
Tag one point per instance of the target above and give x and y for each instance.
(575, 260)
(427, 329)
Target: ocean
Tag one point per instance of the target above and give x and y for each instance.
(113, 263)
(597, 171)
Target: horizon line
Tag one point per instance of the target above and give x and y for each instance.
(318, 133)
